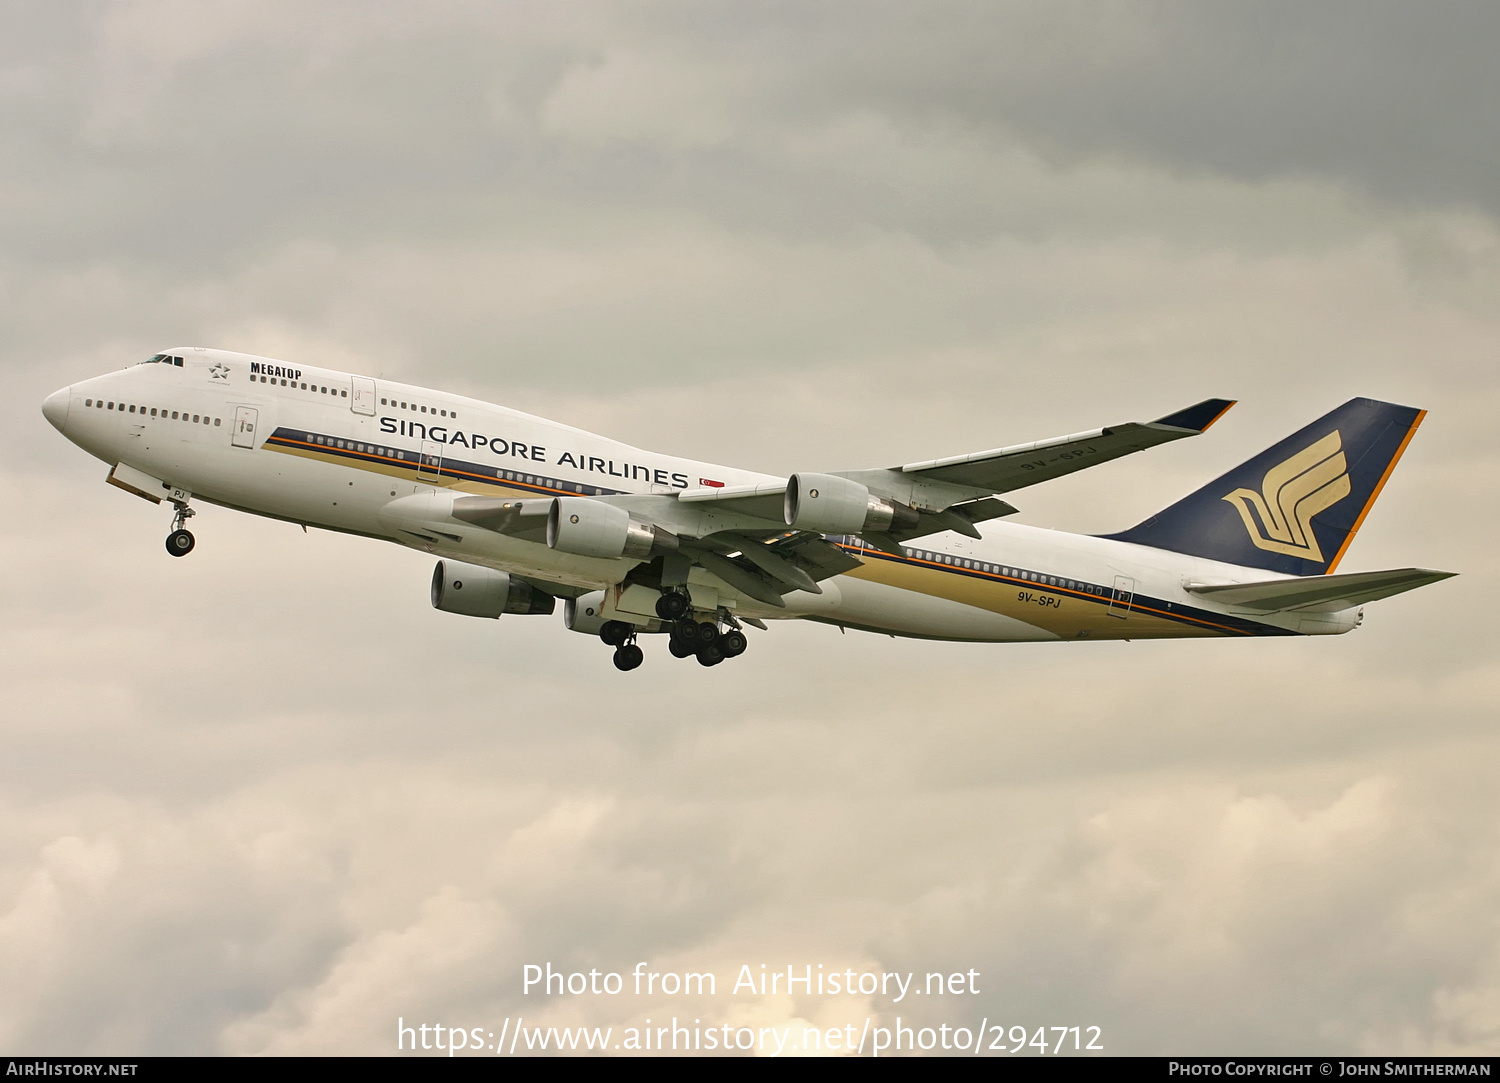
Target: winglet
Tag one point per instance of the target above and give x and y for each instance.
(1197, 418)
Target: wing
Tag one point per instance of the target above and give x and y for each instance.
(524, 519)
(957, 492)
(937, 484)
(755, 554)
(940, 483)
(767, 568)
(739, 533)
(1006, 469)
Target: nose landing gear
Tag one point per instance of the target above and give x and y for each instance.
(180, 542)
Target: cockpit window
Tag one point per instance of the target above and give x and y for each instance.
(163, 359)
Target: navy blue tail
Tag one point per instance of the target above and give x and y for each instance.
(1295, 507)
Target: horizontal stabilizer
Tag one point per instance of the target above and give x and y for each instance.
(1320, 593)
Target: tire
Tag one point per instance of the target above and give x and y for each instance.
(685, 631)
(706, 633)
(681, 649)
(628, 657)
(615, 632)
(180, 543)
(672, 606)
(710, 655)
(733, 644)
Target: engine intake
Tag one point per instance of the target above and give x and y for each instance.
(830, 504)
(484, 592)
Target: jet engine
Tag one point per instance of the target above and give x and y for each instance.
(582, 614)
(833, 505)
(591, 528)
(484, 592)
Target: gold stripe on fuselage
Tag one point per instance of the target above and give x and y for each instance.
(1065, 613)
(407, 471)
(1068, 614)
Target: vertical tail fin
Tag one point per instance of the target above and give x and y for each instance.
(1295, 507)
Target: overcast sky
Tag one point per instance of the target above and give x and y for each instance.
(266, 800)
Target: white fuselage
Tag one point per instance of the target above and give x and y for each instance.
(343, 452)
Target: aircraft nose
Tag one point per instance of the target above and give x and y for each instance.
(55, 408)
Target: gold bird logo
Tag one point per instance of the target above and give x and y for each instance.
(1279, 517)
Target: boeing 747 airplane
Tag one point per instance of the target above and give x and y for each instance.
(522, 512)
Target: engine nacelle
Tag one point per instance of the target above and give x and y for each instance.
(590, 528)
(583, 614)
(484, 592)
(829, 504)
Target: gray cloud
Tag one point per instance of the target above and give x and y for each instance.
(266, 800)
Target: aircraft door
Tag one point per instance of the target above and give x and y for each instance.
(430, 461)
(243, 434)
(1123, 597)
(363, 399)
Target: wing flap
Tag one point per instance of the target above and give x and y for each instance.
(958, 517)
(767, 568)
(1318, 593)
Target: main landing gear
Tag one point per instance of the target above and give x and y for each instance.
(687, 638)
(621, 637)
(704, 641)
(180, 542)
(698, 639)
(673, 606)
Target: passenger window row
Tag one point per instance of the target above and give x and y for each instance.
(992, 569)
(421, 409)
(336, 393)
(550, 483)
(364, 449)
(196, 419)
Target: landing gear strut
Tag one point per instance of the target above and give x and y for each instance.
(180, 542)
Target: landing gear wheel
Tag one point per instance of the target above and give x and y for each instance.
(615, 633)
(710, 654)
(628, 657)
(706, 633)
(681, 648)
(733, 644)
(180, 543)
(672, 606)
(685, 631)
